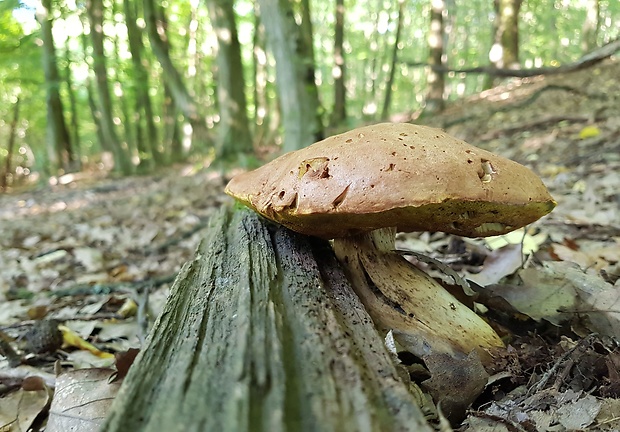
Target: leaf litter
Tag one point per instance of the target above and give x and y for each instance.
(99, 259)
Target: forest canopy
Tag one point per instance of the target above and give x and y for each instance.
(136, 85)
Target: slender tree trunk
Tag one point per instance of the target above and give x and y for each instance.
(234, 127)
(184, 102)
(75, 122)
(385, 112)
(262, 111)
(60, 152)
(589, 31)
(92, 104)
(124, 93)
(372, 68)
(147, 134)
(298, 102)
(435, 79)
(339, 114)
(172, 133)
(305, 51)
(95, 15)
(505, 51)
(4, 180)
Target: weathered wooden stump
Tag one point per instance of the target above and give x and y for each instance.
(262, 332)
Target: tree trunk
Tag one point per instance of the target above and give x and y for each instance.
(234, 127)
(184, 102)
(339, 113)
(305, 51)
(95, 16)
(148, 142)
(172, 132)
(385, 112)
(8, 169)
(589, 31)
(294, 74)
(73, 107)
(128, 136)
(372, 68)
(262, 332)
(507, 38)
(262, 109)
(436, 80)
(60, 153)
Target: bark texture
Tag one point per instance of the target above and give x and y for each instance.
(297, 93)
(60, 152)
(156, 25)
(435, 78)
(262, 332)
(95, 17)
(234, 127)
(339, 114)
(147, 137)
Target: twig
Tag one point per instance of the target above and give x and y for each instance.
(558, 363)
(101, 289)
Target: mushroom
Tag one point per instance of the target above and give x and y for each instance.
(360, 187)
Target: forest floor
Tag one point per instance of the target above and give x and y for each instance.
(98, 257)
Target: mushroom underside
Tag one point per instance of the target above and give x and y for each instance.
(464, 218)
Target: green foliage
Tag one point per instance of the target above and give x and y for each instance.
(20, 77)
(550, 32)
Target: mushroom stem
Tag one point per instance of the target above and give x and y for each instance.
(423, 316)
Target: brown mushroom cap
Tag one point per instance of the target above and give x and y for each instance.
(415, 178)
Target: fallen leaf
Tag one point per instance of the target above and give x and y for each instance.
(498, 264)
(123, 362)
(590, 131)
(455, 382)
(71, 338)
(82, 400)
(19, 409)
(531, 242)
(561, 291)
(608, 415)
(542, 296)
(579, 414)
(90, 258)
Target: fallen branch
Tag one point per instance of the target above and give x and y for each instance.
(584, 62)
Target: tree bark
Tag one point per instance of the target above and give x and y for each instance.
(505, 51)
(436, 79)
(60, 152)
(262, 332)
(589, 31)
(95, 16)
(4, 179)
(73, 108)
(184, 102)
(147, 136)
(339, 113)
(263, 114)
(234, 127)
(387, 101)
(294, 75)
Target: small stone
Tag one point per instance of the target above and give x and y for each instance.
(44, 337)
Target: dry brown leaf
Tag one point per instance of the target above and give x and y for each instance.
(561, 291)
(455, 382)
(498, 264)
(19, 409)
(82, 400)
